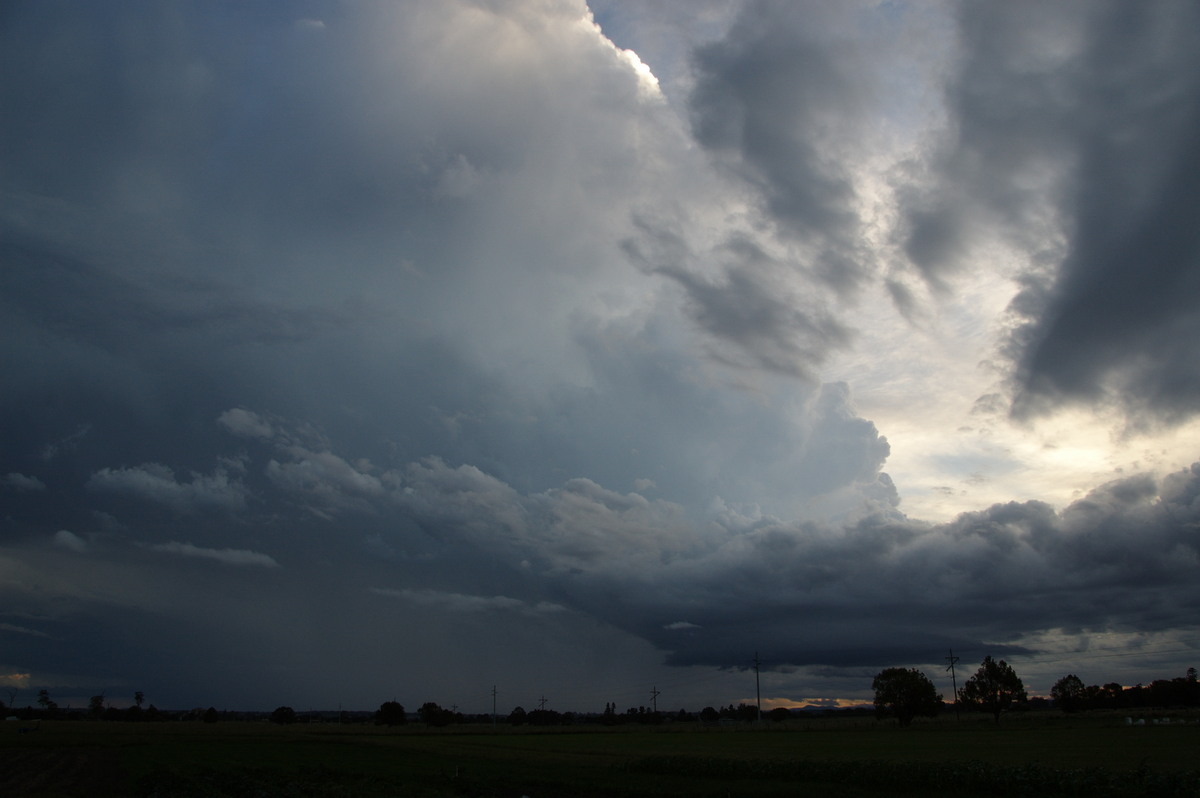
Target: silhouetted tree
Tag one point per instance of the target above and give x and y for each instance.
(391, 713)
(709, 715)
(517, 716)
(994, 688)
(96, 706)
(544, 717)
(779, 714)
(211, 715)
(43, 699)
(905, 693)
(283, 715)
(1069, 694)
(433, 715)
(138, 698)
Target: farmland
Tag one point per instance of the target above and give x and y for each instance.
(1038, 753)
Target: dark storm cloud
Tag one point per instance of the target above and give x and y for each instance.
(781, 100)
(1082, 116)
(885, 590)
(766, 97)
(320, 342)
(875, 591)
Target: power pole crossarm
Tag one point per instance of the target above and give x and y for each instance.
(953, 680)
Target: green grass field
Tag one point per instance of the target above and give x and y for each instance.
(1050, 755)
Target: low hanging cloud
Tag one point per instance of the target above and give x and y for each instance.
(69, 540)
(246, 423)
(888, 590)
(235, 557)
(22, 483)
(21, 630)
(157, 483)
(877, 590)
(461, 602)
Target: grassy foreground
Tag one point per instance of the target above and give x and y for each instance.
(1044, 756)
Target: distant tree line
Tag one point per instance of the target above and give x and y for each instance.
(906, 694)
(1070, 694)
(901, 693)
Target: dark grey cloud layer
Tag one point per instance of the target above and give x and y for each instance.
(343, 342)
(772, 98)
(1084, 116)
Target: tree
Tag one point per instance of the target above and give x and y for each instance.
(283, 715)
(905, 693)
(433, 715)
(138, 698)
(994, 688)
(211, 715)
(517, 716)
(390, 713)
(1069, 693)
(96, 706)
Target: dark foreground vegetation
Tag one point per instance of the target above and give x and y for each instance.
(1036, 753)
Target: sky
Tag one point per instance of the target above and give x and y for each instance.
(359, 351)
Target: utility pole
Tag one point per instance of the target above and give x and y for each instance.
(757, 691)
(493, 706)
(953, 680)
(542, 702)
(654, 694)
